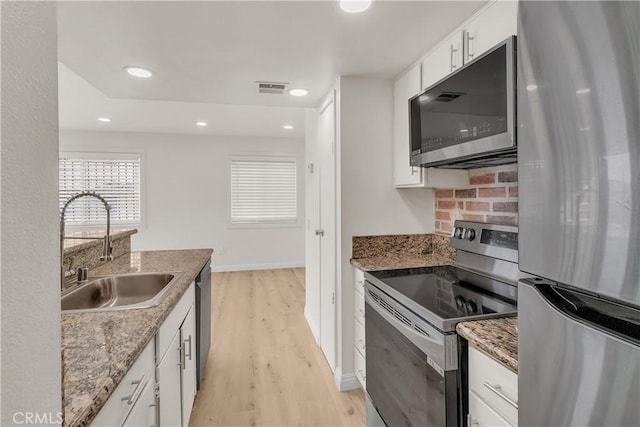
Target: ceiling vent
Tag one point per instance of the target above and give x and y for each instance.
(271, 87)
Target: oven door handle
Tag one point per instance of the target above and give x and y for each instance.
(433, 348)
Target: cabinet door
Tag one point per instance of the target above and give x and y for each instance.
(168, 377)
(441, 61)
(188, 336)
(144, 411)
(489, 28)
(404, 88)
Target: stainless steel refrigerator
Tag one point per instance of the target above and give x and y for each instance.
(579, 219)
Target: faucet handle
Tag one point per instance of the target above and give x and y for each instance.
(83, 274)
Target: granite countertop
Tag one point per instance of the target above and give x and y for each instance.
(72, 246)
(393, 261)
(498, 338)
(396, 251)
(98, 349)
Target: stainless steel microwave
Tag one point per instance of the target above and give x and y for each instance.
(467, 120)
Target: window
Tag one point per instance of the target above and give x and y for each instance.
(263, 190)
(114, 176)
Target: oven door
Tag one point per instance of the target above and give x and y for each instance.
(405, 383)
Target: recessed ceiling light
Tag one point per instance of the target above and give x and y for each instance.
(201, 123)
(583, 91)
(298, 92)
(104, 119)
(143, 73)
(532, 87)
(287, 127)
(355, 6)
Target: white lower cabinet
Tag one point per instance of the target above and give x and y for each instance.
(145, 412)
(493, 392)
(134, 398)
(360, 348)
(169, 389)
(188, 375)
(176, 370)
(160, 387)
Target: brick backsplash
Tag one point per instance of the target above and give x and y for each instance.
(492, 197)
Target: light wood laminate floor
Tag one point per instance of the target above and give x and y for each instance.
(265, 368)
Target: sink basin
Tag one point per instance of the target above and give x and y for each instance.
(119, 292)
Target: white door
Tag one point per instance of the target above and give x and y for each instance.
(168, 377)
(443, 60)
(188, 335)
(496, 23)
(327, 232)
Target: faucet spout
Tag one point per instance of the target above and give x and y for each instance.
(107, 245)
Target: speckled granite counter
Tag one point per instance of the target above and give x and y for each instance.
(390, 252)
(498, 338)
(99, 348)
(398, 261)
(72, 245)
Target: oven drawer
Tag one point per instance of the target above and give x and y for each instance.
(481, 415)
(360, 339)
(494, 384)
(361, 370)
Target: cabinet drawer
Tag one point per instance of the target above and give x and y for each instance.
(481, 415)
(144, 411)
(361, 370)
(360, 339)
(139, 378)
(359, 287)
(359, 308)
(494, 384)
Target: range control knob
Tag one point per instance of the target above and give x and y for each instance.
(458, 233)
(471, 307)
(470, 234)
(460, 302)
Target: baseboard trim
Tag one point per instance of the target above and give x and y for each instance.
(312, 325)
(245, 267)
(346, 382)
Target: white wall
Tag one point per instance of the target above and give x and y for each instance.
(369, 203)
(312, 211)
(186, 195)
(30, 344)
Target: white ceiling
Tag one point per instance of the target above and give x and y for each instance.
(211, 53)
(80, 104)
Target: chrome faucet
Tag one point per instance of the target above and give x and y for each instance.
(106, 246)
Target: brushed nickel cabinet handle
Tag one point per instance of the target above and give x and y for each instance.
(453, 52)
(189, 341)
(498, 390)
(140, 385)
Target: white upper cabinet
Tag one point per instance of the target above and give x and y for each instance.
(494, 23)
(442, 60)
(404, 175)
(497, 22)
(404, 88)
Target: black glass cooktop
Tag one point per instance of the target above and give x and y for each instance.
(445, 295)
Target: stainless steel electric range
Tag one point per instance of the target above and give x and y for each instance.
(411, 315)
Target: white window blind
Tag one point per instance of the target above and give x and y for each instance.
(114, 176)
(263, 190)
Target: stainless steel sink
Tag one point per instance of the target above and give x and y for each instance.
(119, 292)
